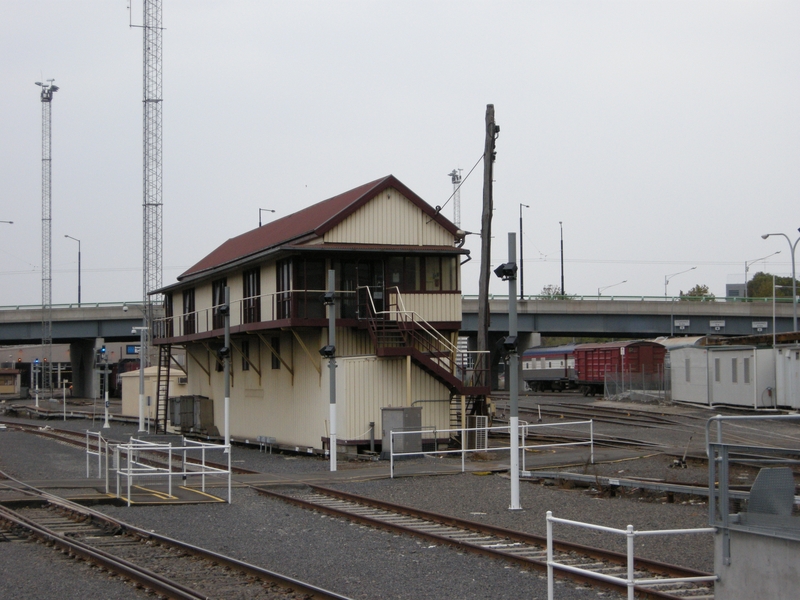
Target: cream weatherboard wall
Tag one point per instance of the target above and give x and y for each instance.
(390, 218)
(442, 306)
(368, 383)
(295, 408)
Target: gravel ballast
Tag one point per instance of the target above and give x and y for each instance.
(362, 562)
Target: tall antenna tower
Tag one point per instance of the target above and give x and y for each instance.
(152, 266)
(48, 89)
(455, 177)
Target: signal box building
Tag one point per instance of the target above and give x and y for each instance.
(398, 312)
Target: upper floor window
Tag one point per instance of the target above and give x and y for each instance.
(169, 312)
(428, 274)
(218, 299)
(251, 292)
(300, 282)
(189, 316)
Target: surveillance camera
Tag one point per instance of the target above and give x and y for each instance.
(124, 308)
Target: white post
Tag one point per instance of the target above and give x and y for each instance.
(549, 556)
(106, 424)
(331, 302)
(141, 378)
(513, 375)
(631, 573)
(64, 385)
(227, 371)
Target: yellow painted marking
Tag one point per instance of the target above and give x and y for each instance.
(201, 493)
(156, 493)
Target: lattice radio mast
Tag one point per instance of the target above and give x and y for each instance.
(152, 267)
(455, 177)
(48, 89)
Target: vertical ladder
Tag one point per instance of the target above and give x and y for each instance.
(162, 387)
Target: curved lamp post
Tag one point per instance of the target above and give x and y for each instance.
(794, 280)
(668, 277)
(751, 262)
(260, 210)
(602, 289)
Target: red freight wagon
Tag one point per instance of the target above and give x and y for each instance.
(593, 361)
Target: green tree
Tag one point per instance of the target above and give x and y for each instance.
(697, 293)
(760, 286)
(551, 291)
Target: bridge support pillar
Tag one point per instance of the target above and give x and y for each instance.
(81, 355)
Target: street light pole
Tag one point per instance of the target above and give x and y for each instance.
(602, 289)
(260, 210)
(79, 266)
(747, 268)
(668, 277)
(521, 256)
(794, 280)
(561, 227)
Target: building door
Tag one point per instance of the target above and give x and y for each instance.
(362, 284)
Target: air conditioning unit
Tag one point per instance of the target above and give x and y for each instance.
(183, 380)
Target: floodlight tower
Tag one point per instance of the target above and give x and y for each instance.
(48, 89)
(455, 177)
(152, 245)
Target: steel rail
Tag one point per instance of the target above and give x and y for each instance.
(484, 529)
(120, 566)
(149, 579)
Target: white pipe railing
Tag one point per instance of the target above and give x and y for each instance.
(130, 465)
(523, 431)
(630, 533)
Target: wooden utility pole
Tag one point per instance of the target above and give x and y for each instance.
(486, 234)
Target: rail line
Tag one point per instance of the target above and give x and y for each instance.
(78, 439)
(523, 549)
(165, 566)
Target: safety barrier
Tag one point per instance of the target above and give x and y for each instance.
(525, 430)
(131, 463)
(630, 581)
(100, 450)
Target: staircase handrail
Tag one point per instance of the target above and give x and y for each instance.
(424, 327)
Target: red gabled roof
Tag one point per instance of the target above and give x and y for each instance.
(315, 220)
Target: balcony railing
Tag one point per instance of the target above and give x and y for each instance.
(300, 304)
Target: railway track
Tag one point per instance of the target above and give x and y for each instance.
(164, 566)
(523, 549)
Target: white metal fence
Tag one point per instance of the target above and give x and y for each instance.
(630, 533)
(143, 459)
(526, 433)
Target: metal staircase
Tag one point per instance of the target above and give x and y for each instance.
(399, 332)
(162, 387)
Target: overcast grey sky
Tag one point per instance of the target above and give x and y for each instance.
(664, 135)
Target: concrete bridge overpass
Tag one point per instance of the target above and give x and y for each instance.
(84, 328)
(634, 317)
(611, 316)
(87, 326)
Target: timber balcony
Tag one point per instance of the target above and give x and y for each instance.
(394, 330)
